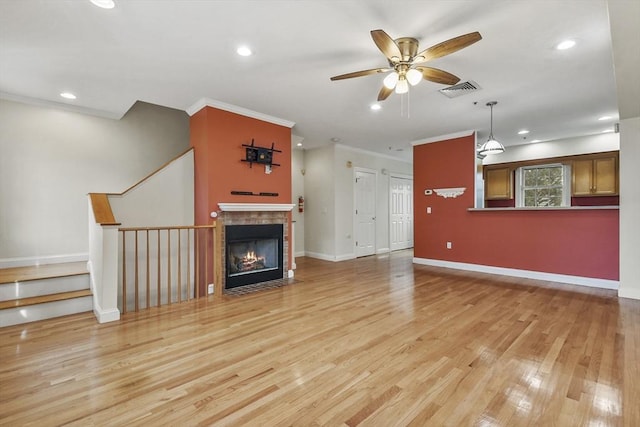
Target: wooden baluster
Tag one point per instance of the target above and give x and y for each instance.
(169, 266)
(124, 272)
(196, 254)
(148, 280)
(179, 268)
(206, 262)
(188, 263)
(135, 269)
(216, 232)
(158, 275)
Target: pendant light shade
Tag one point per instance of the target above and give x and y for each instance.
(491, 146)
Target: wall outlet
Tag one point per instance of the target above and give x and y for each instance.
(448, 245)
(210, 288)
(428, 209)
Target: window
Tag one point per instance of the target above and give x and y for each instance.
(543, 186)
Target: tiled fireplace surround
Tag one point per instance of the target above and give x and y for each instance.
(231, 214)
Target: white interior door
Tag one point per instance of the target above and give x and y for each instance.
(401, 213)
(365, 214)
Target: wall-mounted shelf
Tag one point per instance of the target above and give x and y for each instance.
(260, 155)
(251, 193)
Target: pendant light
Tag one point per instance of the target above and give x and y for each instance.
(491, 146)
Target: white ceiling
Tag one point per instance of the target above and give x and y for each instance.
(176, 52)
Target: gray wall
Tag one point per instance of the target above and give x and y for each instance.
(329, 184)
(50, 159)
(297, 189)
(319, 224)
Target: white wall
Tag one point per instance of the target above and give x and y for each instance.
(629, 208)
(297, 189)
(558, 148)
(344, 190)
(165, 199)
(329, 186)
(319, 199)
(50, 159)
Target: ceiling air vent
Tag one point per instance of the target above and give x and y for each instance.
(460, 89)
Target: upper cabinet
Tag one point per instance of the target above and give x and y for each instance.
(497, 183)
(595, 175)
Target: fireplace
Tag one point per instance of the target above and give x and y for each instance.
(253, 253)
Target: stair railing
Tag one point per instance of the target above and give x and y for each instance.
(164, 265)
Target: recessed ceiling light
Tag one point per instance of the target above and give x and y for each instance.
(244, 51)
(567, 44)
(105, 4)
(523, 132)
(375, 107)
(604, 118)
(67, 95)
(299, 144)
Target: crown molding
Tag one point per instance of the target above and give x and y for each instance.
(373, 153)
(207, 102)
(61, 106)
(443, 137)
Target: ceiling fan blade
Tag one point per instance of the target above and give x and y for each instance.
(384, 93)
(447, 47)
(386, 45)
(361, 73)
(438, 76)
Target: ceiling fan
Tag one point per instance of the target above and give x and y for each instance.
(405, 62)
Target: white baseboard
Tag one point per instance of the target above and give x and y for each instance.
(299, 254)
(332, 258)
(345, 257)
(105, 316)
(625, 292)
(383, 251)
(527, 274)
(41, 260)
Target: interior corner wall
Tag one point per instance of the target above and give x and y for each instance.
(298, 189)
(581, 243)
(329, 207)
(50, 159)
(164, 199)
(344, 193)
(319, 230)
(629, 208)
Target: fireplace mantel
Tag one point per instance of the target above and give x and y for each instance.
(255, 207)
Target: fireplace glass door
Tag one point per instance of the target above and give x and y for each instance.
(253, 254)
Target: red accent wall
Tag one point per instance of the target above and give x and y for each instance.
(573, 242)
(217, 137)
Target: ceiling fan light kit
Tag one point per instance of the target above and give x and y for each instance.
(390, 81)
(491, 146)
(402, 86)
(405, 62)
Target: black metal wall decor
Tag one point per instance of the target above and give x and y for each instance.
(260, 155)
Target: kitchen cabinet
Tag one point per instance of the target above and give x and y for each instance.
(498, 183)
(595, 176)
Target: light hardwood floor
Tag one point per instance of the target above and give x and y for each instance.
(375, 341)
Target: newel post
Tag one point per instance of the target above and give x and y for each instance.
(103, 258)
